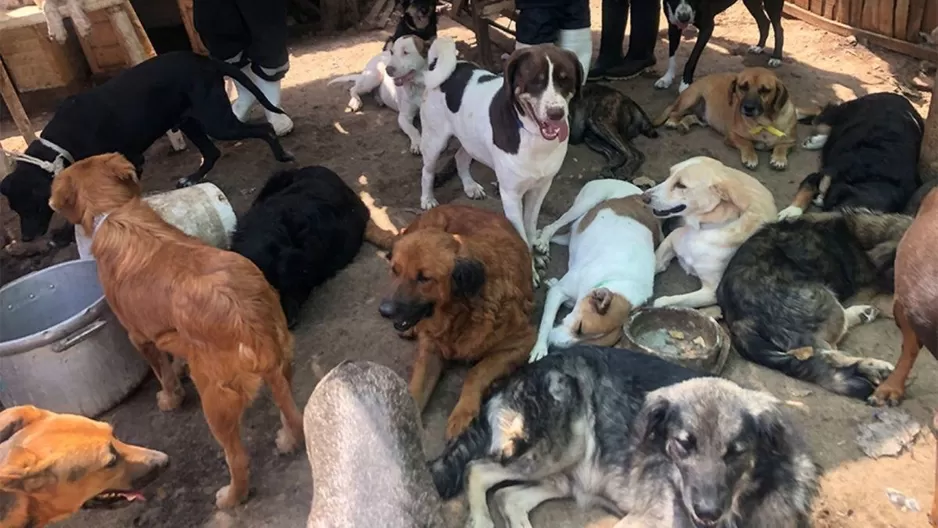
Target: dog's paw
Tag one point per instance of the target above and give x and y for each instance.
(756, 50)
(458, 421)
(474, 190)
(538, 352)
(415, 148)
(286, 442)
(865, 313)
(354, 104)
(875, 370)
(541, 261)
(169, 401)
(541, 244)
(225, 499)
(886, 394)
(661, 302)
(683, 87)
(550, 283)
(58, 34)
(818, 200)
(815, 142)
(664, 82)
(775, 63)
(428, 202)
(790, 212)
(751, 163)
(778, 163)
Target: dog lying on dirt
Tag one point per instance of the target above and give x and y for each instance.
(781, 295)
(175, 294)
(52, 465)
(462, 280)
(636, 434)
(364, 430)
(751, 109)
(607, 121)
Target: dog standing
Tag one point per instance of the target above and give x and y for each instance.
(606, 279)
(175, 294)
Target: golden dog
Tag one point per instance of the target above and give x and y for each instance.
(175, 294)
(751, 109)
(463, 281)
(52, 465)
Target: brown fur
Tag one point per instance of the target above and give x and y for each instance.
(717, 99)
(603, 316)
(630, 206)
(52, 464)
(491, 327)
(177, 295)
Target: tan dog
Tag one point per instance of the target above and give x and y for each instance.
(462, 280)
(751, 109)
(52, 465)
(175, 294)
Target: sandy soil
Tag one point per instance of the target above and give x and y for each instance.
(340, 321)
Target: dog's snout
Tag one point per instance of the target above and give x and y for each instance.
(392, 71)
(556, 113)
(683, 17)
(646, 197)
(750, 108)
(707, 510)
(388, 308)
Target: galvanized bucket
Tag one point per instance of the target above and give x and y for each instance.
(61, 347)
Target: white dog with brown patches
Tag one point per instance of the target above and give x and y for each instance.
(612, 266)
(720, 208)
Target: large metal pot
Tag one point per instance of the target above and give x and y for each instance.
(61, 347)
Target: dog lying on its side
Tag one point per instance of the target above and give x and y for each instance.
(607, 120)
(781, 295)
(636, 434)
(303, 227)
(175, 294)
(52, 465)
(869, 159)
(719, 208)
(605, 280)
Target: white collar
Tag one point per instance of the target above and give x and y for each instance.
(53, 167)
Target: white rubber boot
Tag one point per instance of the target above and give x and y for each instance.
(580, 42)
(245, 100)
(282, 123)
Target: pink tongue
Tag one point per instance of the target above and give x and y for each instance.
(133, 496)
(399, 81)
(558, 130)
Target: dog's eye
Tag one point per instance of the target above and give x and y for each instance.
(764, 90)
(679, 185)
(115, 458)
(395, 271)
(579, 329)
(421, 277)
(744, 87)
(683, 446)
(735, 449)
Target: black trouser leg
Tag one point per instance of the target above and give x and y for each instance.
(615, 16)
(644, 35)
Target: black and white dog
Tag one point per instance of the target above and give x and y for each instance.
(701, 13)
(418, 18)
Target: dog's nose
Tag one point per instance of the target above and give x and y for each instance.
(555, 114)
(707, 511)
(387, 309)
(391, 70)
(683, 17)
(749, 109)
(646, 197)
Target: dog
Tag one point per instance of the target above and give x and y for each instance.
(52, 10)
(605, 280)
(607, 121)
(782, 291)
(304, 226)
(175, 294)
(52, 465)
(869, 159)
(461, 279)
(398, 74)
(650, 440)
(523, 136)
(751, 109)
(720, 208)
(418, 18)
(127, 114)
(364, 429)
(701, 13)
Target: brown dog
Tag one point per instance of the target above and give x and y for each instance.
(463, 280)
(174, 294)
(52, 465)
(751, 109)
(916, 307)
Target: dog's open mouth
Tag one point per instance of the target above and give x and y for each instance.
(113, 499)
(550, 129)
(405, 79)
(405, 322)
(669, 212)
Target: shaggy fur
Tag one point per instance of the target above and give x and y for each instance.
(462, 280)
(304, 226)
(175, 294)
(781, 295)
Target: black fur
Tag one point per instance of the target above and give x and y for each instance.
(409, 26)
(468, 277)
(455, 85)
(304, 226)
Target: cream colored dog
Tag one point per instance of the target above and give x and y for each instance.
(720, 208)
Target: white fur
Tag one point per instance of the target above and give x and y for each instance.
(614, 252)
(792, 211)
(668, 77)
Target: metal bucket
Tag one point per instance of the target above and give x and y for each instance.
(61, 347)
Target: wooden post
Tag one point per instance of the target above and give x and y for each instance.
(928, 162)
(13, 103)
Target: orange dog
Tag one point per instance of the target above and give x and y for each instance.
(916, 307)
(463, 282)
(52, 465)
(177, 295)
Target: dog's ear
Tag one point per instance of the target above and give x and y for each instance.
(781, 96)
(600, 300)
(511, 71)
(577, 69)
(22, 472)
(773, 435)
(16, 418)
(121, 168)
(468, 277)
(651, 425)
(734, 194)
(732, 94)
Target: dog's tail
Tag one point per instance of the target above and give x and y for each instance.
(646, 127)
(380, 237)
(442, 59)
(449, 469)
(344, 78)
(235, 73)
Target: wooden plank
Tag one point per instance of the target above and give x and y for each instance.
(829, 7)
(12, 100)
(901, 46)
(842, 11)
(930, 20)
(902, 20)
(885, 16)
(856, 13)
(817, 6)
(868, 15)
(916, 15)
(195, 41)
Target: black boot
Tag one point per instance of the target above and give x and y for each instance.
(642, 40)
(615, 16)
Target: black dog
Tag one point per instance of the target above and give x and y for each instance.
(304, 226)
(701, 13)
(869, 158)
(130, 112)
(418, 18)
(607, 120)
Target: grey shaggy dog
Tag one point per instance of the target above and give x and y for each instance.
(782, 291)
(698, 453)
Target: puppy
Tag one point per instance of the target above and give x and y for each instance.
(398, 74)
(129, 113)
(751, 109)
(516, 124)
(720, 208)
(782, 291)
(304, 226)
(869, 159)
(461, 279)
(52, 10)
(701, 13)
(52, 465)
(605, 280)
(607, 120)
(418, 18)
(177, 295)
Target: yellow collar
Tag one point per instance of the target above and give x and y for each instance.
(770, 129)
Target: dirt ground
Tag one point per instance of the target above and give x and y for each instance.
(341, 322)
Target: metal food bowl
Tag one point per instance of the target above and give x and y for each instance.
(681, 335)
(61, 347)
